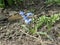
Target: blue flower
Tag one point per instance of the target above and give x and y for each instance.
(27, 21)
(29, 14)
(22, 13)
(25, 18)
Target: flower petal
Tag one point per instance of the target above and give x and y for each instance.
(28, 21)
(21, 12)
(29, 14)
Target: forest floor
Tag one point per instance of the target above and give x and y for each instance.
(11, 33)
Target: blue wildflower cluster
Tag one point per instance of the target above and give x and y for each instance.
(25, 16)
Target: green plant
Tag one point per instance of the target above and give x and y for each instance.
(45, 34)
(9, 2)
(52, 20)
(44, 20)
(53, 2)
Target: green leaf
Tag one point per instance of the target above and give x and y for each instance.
(44, 33)
(24, 27)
